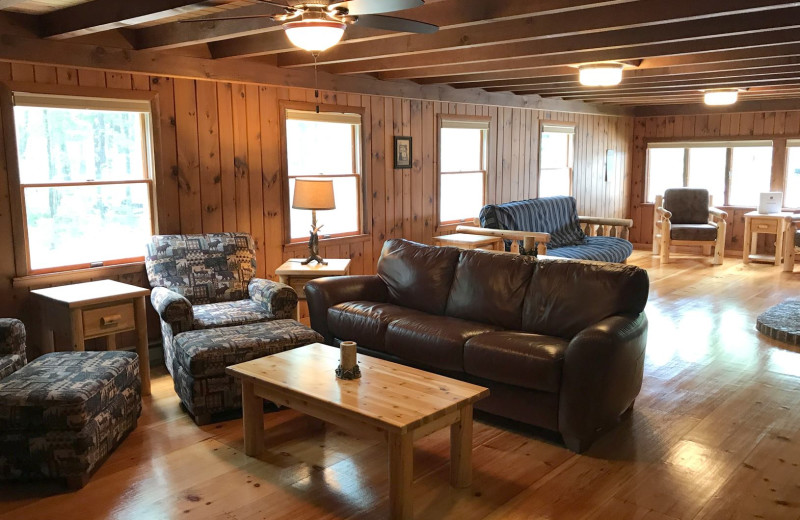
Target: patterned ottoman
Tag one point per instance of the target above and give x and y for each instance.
(64, 413)
(202, 355)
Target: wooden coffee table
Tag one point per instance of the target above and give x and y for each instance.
(400, 403)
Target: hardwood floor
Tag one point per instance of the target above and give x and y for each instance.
(715, 434)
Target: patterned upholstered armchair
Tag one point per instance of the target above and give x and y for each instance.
(208, 281)
(684, 217)
(12, 346)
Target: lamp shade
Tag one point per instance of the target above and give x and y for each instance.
(314, 35)
(313, 194)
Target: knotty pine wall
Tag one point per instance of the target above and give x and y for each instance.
(741, 125)
(221, 164)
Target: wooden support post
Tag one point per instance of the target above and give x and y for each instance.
(719, 248)
(76, 330)
(252, 420)
(666, 230)
(461, 450)
(789, 247)
(142, 347)
(401, 470)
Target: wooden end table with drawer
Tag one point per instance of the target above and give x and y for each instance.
(75, 313)
(754, 223)
(294, 274)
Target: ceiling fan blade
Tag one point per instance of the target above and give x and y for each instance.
(276, 4)
(390, 23)
(359, 7)
(190, 20)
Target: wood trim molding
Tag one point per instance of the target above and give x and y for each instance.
(701, 109)
(79, 275)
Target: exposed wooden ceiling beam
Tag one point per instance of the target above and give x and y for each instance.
(791, 83)
(445, 14)
(587, 21)
(103, 15)
(621, 44)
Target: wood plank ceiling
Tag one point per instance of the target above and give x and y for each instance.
(673, 49)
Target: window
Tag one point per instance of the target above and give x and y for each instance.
(86, 183)
(733, 172)
(791, 195)
(325, 146)
(462, 168)
(555, 159)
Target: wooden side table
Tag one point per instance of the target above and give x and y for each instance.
(75, 313)
(469, 241)
(754, 223)
(294, 274)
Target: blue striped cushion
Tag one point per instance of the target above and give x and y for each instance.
(555, 215)
(603, 249)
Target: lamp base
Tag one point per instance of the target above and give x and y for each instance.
(313, 248)
(314, 258)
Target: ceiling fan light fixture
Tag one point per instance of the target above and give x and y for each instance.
(600, 74)
(314, 35)
(721, 97)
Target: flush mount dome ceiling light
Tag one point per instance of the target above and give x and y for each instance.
(721, 97)
(600, 74)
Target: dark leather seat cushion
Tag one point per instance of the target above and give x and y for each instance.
(490, 288)
(433, 341)
(687, 205)
(701, 232)
(365, 322)
(517, 358)
(416, 275)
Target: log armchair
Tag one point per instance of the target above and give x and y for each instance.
(685, 217)
(791, 243)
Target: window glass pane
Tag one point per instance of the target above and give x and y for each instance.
(555, 150)
(461, 196)
(791, 199)
(751, 170)
(71, 145)
(72, 225)
(707, 170)
(315, 148)
(554, 182)
(665, 169)
(461, 149)
(343, 219)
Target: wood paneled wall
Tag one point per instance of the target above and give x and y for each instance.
(737, 125)
(221, 163)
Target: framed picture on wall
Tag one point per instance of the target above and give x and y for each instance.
(402, 152)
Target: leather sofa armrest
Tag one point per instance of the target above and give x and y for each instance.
(173, 308)
(12, 337)
(324, 293)
(279, 300)
(603, 368)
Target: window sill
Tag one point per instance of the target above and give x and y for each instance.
(326, 242)
(79, 275)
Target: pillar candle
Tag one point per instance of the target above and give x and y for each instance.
(347, 354)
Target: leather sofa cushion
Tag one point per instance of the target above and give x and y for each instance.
(490, 288)
(433, 341)
(565, 297)
(365, 322)
(704, 232)
(517, 358)
(687, 205)
(416, 275)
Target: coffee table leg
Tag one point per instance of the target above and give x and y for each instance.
(401, 469)
(461, 450)
(252, 419)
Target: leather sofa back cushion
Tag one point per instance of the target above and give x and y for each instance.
(417, 276)
(490, 288)
(566, 297)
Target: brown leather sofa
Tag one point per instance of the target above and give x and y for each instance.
(560, 344)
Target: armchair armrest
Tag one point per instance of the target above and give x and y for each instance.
(324, 293)
(717, 214)
(173, 308)
(278, 299)
(603, 367)
(531, 240)
(602, 221)
(664, 212)
(12, 337)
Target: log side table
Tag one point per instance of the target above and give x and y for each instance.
(294, 274)
(754, 223)
(75, 313)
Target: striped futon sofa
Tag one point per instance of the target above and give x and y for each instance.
(558, 216)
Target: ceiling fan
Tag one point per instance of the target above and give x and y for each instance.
(316, 26)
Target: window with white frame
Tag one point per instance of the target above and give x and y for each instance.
(791, 194)
(733, 172)
(462, 168)
(325, 145)
(556, 153)
(86, 179)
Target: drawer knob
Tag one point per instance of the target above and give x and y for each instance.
(113, 319)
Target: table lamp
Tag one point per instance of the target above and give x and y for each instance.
(314, 195)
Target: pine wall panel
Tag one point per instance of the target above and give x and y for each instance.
(221, 168)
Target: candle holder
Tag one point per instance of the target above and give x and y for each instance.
(348, 364)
